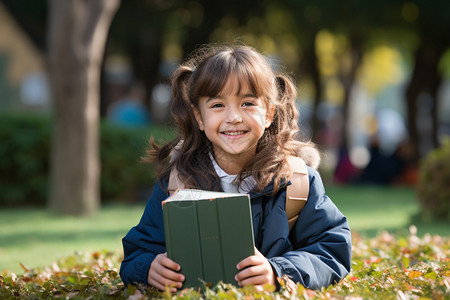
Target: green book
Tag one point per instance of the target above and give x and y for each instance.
(208, 233)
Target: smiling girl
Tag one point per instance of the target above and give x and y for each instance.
(237, 127)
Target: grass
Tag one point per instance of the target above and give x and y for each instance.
(371, 209)
(36, 237)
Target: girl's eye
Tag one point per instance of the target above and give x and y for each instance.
(248, 103)
(217, 105)
(250, 100)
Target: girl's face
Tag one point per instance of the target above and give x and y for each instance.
(233, 121)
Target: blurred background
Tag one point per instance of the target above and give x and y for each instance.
(373, 81)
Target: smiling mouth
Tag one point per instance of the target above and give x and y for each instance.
(234, 133)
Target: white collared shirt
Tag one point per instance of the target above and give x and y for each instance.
(226, 180)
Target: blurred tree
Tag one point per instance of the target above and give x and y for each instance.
(352, 26)
(205, 16)
(310, 19)
(77, 32)
(137, 33)
(418, 24)
(429, 21)
(422, 28)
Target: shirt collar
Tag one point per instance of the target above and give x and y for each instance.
(220, 172)
(247, 185)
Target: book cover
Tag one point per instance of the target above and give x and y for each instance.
(208, 233)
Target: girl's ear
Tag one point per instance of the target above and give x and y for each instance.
(198, 117)
(269, 116)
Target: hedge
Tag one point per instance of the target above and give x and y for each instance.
(25, 149)
(434, 184)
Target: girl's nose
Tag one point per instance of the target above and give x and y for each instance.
(234, 117)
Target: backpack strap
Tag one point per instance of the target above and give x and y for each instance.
(174, 181)
(297, 192)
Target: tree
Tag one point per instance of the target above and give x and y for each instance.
(77, 32)
(428, 19)
(142, 42)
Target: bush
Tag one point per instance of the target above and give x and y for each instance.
(25, 163)
(434, 183)
(123, 176)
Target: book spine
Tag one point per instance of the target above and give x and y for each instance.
(211, 246)
(167, 234)
(235, 216)
(184, 240)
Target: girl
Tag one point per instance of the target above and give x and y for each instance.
(237, 126)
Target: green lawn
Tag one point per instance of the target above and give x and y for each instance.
(371, 209)
(35, 237)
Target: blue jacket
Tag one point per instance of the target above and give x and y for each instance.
(316, 253)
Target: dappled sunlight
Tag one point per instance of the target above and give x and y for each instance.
(381, 66)
(330, 49)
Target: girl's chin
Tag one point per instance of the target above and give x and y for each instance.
(235, 151)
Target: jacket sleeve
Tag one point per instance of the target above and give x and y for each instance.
(144, 242)
(321, 240)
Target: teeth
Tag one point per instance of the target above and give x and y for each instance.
(234, 132)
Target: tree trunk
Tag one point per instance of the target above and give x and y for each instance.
(348, 79)
(309, 65)
(76, 38)
(425, 79)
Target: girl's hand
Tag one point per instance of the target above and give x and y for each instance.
(164, 272)
(255, 270)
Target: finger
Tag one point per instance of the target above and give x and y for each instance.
(250, 272)
(166, 277)
(168, 263)
(161, 286)
(165, 273)
(161, 276)
(163, 260)
(249, 261)
(171, 275)
(167, 268)
(154, 283)
(254, 280)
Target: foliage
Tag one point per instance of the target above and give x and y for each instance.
(434, 188)
(25, 150)
(123, 176)
(383, 268)
(24, 166)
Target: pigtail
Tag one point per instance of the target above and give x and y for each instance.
(181, 115)
(306, 150)
(192, 147)
(181, 110)
(189, 152)
(287, 94)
